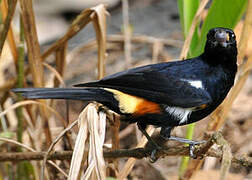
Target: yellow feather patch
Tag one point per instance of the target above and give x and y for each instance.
(127, 103)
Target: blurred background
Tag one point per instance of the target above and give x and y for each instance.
(137, 33)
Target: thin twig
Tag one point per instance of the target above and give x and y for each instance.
(53, 144)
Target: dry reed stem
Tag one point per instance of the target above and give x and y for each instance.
(115, 128)
(156, 49)
(131, 161)
(10, 35)
(81, 21)
(79, 147)
(99, 22)
(60, 59)
(92, 125)
(34, 57)
(195, 21)
(220, 114)
(53, 144)
(226, 160)
(246, 31)
(97, 128)
(5, 29)
(31, 38)
(126, 33)
(56, 73)
(13, 46)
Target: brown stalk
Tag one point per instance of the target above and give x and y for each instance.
(5, 29)
(10, 35)
(60, 57)
(34, 56)
(219, 116)
(115, 127)
(156, 49)
(99, 22)
(81, 21)
(57, 75)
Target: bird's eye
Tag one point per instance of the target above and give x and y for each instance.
(231, 37)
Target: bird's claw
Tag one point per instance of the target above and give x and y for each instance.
(191, 151)
(192, 148)
(153, 157)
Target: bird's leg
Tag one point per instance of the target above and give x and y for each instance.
(165, 133)
(142, 128)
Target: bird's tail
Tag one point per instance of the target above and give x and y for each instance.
(86, 94)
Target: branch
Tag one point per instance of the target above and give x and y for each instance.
(201, 150)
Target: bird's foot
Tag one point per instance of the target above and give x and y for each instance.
(191, 143)
(153, 157)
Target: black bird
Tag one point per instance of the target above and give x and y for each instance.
(165, 95)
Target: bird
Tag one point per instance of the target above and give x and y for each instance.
(165, 95)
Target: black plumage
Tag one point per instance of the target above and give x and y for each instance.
(178, 93)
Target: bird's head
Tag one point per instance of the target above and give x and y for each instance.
(221, 45)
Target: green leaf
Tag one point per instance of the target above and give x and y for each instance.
(187, 10)
(224, 13)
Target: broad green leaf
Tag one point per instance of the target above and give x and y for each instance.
(187, 10)
(222, 13)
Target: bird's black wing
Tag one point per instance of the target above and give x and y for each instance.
(162, 83)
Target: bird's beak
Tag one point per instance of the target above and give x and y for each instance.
(222, 38)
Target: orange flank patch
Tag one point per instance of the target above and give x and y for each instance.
(134, 105)
(146, 107)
